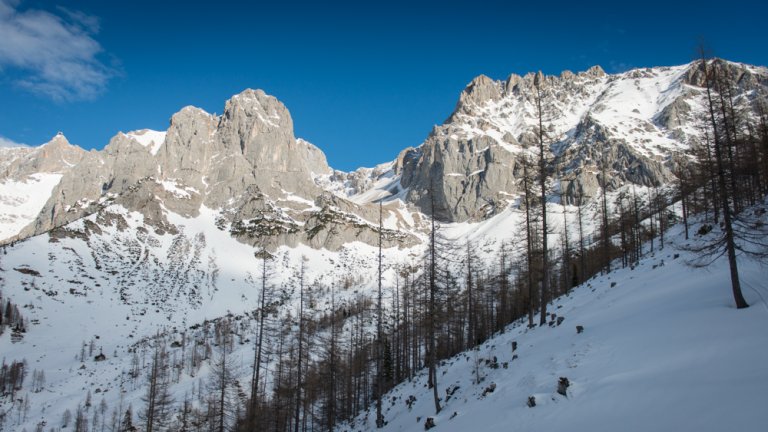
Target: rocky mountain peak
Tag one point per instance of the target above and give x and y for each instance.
(187, 114)
(743, 76)
(58, 142)
(480, 90)
(56, 155)
(595, 71)
(254, 108)
(638, 118)
(512, 81)
(247, 161)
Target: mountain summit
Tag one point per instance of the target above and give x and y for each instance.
(637, 126)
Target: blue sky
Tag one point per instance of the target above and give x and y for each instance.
(362, 79)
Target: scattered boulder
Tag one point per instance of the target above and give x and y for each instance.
(430, 423)
(27, 271)
(450, 391)
(704, 230)
(531, 401)
(409, 402)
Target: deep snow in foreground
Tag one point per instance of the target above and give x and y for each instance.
(664, 349)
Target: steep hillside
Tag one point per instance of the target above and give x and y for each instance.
(663, 348)
(110, 284)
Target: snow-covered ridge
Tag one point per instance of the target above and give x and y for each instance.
(363, 185)
(625, 103)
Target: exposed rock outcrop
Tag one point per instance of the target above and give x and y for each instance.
(636, 126)
(242, 164)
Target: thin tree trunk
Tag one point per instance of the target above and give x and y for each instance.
(528, 245)
(297, 413)
(582, 257)
(257, 361)
(432, 308)
(606, 238)
(729, 237)
(379, 335)
(543, 186)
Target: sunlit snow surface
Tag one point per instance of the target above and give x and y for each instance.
(664, 349)
(150, 139)
(22, 200)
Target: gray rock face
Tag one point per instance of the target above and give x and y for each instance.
(271, 189)
(637, 125)
(246, 164)
(469, 177)
(56, 156)
(472, 162)
(98, 176)
(741, 76)
(260, 128)
(593, 148)
(205, 160)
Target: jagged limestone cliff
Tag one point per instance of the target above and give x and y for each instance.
(270, 188)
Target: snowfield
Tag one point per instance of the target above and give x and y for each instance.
(663, 349)
(22, 200)
(150, 139)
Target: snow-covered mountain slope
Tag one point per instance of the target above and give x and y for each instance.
(663, 348)
(22, 200)
(28, 176)
(112, 282)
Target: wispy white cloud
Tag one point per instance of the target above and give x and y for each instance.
(5, 142)
(52, 55)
